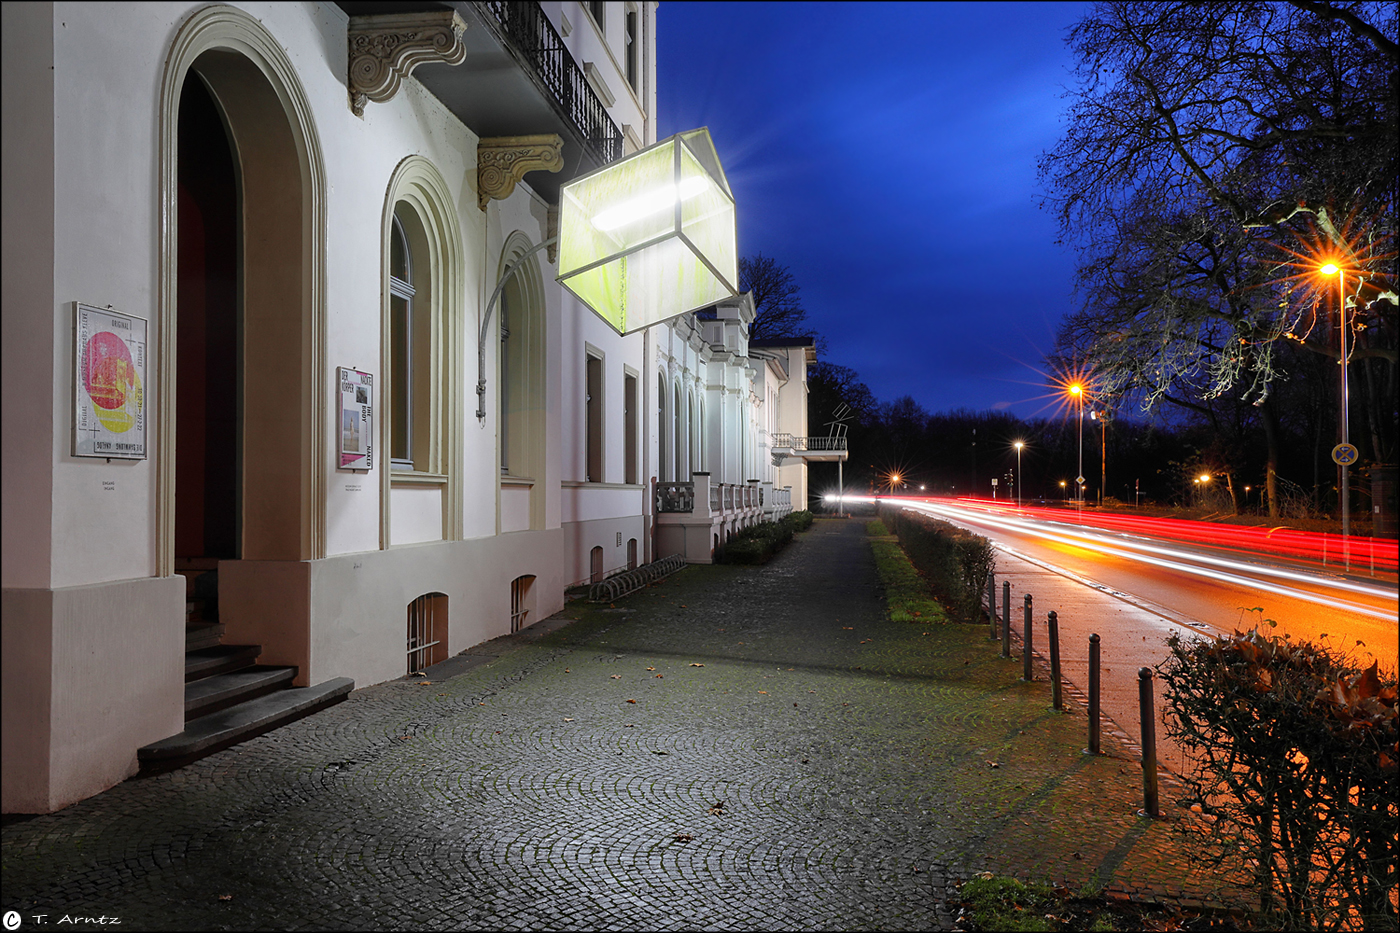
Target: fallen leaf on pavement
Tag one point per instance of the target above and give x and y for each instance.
(683, 837)
(615, 676)
(659, 676)
(763, 691)
(993, 764)
(651, 668)
(567, 719)
(225, 897)
(631, 701)
(693, 664)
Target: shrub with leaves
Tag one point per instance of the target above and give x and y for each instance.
(1295, 752)
(955, 562)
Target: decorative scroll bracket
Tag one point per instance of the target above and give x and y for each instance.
(385, 49)
(501, 161)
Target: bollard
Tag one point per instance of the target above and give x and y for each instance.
(1006, 619)
(1094, 694)
(1026, 644)
(992, 601)
(1149, 744)
(1055, 661)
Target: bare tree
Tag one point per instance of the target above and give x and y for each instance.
(777, 298)
(1215, 153)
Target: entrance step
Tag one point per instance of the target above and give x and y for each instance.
(216, 731)
(219, 659)
(202, 635)
(211, 694)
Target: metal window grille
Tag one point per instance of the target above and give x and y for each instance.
(422, 631)
(519, 615)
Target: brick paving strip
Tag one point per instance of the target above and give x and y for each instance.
(792, 760)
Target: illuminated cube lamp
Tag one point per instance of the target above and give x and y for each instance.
(650, 236)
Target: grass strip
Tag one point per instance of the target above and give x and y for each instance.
(906, 593)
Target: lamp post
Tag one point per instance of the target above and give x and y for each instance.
(1019, 445)
(1077, 391)
(1343, 454)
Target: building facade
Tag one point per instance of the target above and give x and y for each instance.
(304, 210)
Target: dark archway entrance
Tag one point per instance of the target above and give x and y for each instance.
(209, 352)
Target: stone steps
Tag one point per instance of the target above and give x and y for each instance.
(229, 698)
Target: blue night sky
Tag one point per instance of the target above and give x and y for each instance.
(886, 154)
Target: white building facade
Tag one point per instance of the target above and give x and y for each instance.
(308, 207)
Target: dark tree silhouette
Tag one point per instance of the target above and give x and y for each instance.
(777, 299)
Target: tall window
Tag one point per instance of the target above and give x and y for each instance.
(633, 52)
(595, 9)
(401, 340)
(505, 391)
(593, 418)
(663, 459)
(629, 422)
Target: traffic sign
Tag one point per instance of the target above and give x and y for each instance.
(1079, 480)
(1345, 454)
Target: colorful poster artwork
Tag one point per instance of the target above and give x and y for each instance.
(109, 398)
(356, 419)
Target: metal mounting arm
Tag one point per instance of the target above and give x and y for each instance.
(486, 321)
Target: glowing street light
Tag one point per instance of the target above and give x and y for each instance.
(1077, 391)
(1018, 445)
(1343, 453)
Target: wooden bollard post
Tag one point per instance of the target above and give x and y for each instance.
(1055, 661)
(1149, 744)
(1026, 644)
(1006, 619)
(1094, 694)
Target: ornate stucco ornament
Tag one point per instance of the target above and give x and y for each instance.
(501, 161)
(385, 49)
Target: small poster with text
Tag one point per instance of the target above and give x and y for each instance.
(356, 419)
(109, 391)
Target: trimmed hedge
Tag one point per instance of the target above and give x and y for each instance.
(953, 561)
(756, 544)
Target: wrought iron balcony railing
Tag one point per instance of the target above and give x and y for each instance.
(534, 37)
(809, 443)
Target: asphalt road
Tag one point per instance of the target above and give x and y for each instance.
(1134, 592)
(1211, 587)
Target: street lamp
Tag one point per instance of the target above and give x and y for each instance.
(1019, 445)
(1077, 391)
(1063, 494)
(1343, 454)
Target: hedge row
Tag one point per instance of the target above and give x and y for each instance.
(757, 543)
(953, 561)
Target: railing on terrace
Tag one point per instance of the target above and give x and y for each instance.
(728, 497)
(536, 40)
(675, 497)
(809, 443)
(714, 498)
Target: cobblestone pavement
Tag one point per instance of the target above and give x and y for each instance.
(732, 749)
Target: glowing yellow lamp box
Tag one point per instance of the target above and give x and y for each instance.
(651, 236)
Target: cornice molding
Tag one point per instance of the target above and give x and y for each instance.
(501, 161)
(384, 50)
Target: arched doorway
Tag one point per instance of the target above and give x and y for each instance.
(209, 369)
(264, 503)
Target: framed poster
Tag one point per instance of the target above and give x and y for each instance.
(356, 418)
(109, 391)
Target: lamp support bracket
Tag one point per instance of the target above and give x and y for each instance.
(486, 322)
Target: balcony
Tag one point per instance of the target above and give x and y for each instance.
(808, 448)
(518, 79)
(723, 508)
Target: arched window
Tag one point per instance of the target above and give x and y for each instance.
(678, 427)
(520, 389)
(427, 631)
(663, 451)
(522, 601)
(404, 332)
(422, 297)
